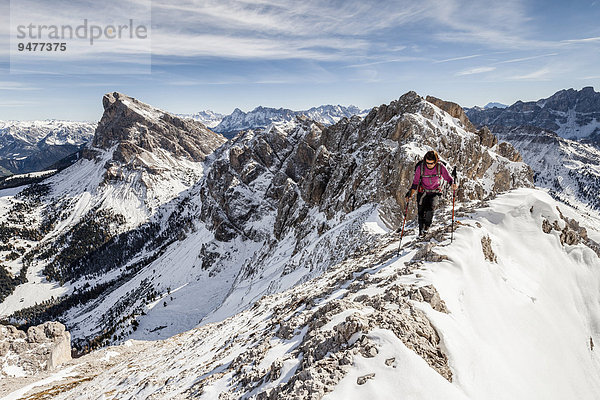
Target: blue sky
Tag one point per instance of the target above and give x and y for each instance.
(224, 54)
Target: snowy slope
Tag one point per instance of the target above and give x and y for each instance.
(141, 159)
(79, 192)
(498, 326)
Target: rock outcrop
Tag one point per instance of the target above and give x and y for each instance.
(571, 233)
(142, 132)
(43, 347)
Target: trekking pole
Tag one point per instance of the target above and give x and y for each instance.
(402, 234)
(453, 198)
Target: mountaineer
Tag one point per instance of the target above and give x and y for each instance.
(428, 178)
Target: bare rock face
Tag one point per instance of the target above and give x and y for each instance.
(487, 138)
(507, 150)
(488, 252)
(43, 347)
(138, 130)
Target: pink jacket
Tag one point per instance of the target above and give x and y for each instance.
(430, 182)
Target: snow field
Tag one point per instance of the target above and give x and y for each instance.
(519, 328)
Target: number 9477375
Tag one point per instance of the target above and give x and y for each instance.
(42, 46)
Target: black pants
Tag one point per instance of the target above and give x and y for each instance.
(427, 203)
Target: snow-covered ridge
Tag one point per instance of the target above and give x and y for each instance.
(470, 319)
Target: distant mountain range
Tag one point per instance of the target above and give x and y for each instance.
(262, 117)
(559, 137)
(552, 131)
(209, 118)
(569, 169)
(29, 146)
(572, 114)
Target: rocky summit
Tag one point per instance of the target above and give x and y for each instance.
(137, 130)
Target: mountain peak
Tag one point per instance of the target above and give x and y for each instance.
(494, 105)
(136, 127)
(110, 98)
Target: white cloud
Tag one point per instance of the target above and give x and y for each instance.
(579, 41)
(274, 29)
(490, 23)
(347, 31)
(223, 46)
(308, 18)
(478, 70)
(15, 86)
(541, 74)
(17, 103)
(514, 60)
(393, 60)
(457, 58)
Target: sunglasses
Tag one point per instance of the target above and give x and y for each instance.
(429, 162)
